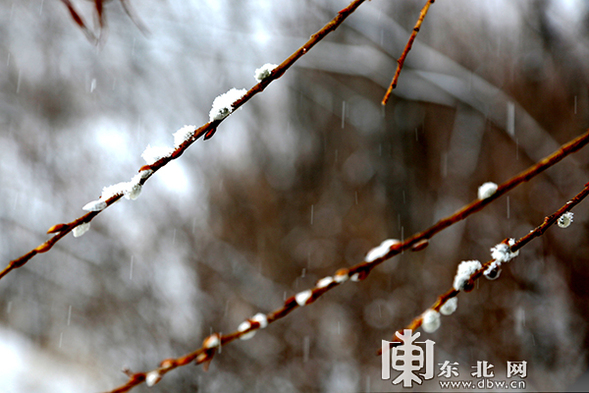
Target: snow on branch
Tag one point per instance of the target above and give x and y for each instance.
(487, 189)
(386, 250)
(264, 71)
(156, 158)
(565, 220)
(467, 275)
(225, 105)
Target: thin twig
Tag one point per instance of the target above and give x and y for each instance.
(360, 271)
(134, 17)
(401, 59)
(208, 130)
(79, 21)
(537, 232)
(101, 18)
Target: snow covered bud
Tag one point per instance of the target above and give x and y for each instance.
(420, 245)
(261, 319)
(212, 341)
(81, 229)
(95, 206)
(223, 104)
(502, 252)
(145, 174)
(324, 282)
(360, 275)
(245, 325)
(152, 378)
(430, 321)
(264, 71)
(183, 134)
(381, 250)
(487, 189)
(341, 276)
(493, 271)
(304, 298)
(115, 189)
(565, 220)
(134, 191)
(134, 187)
(153, 154)
(465, 270)
(450, 306)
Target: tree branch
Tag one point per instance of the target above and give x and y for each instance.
(207, 130)
(361, 271)
(401, 59)
(537, 232)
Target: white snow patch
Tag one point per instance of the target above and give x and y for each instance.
(264, 71)
(450, 306)
(95, 206)
(302, 297)
(465, 270)
(430, 321)
(381, 250)
(223, 104)
(81, 229)
(487, 189)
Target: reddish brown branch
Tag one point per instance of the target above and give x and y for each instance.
(207, 129)
(60, 230)
(101, 18)
(537, 232)
(79, 21)
(566, 149)
(401, 59)
(360, 271)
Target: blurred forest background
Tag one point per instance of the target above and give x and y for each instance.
(304, 179)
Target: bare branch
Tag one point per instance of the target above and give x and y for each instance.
(401, 59)
(79, 21)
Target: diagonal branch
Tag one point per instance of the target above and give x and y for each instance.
(360, 271)
(207, 130)
(537, 232)
(80, 22)
(401, 59)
